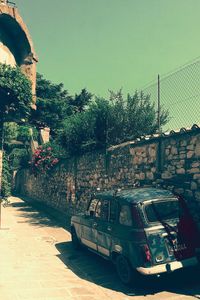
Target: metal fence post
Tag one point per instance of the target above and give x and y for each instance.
(159, 127)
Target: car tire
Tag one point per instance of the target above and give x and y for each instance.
(75, 240)
(125, 270)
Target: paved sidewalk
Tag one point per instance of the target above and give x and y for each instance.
(38, 263)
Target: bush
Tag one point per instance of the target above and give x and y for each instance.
(44, 159)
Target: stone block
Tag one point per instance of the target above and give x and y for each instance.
(197, 195)
(174, 151)
(183, 143)
(132, 151)
(182, 156)
(193, 170)
(152, 152)
(195, 164)
(151, 160)
(180, 171)
(142, 176)
(196, 176)
(190, 154)
(173, 142)
(167, 151)
(194, 185)
(190, 147)
(193, 140)
(153, 169)
(150, 175)
(166, 175)
(137, 176)
(171, 168)
(197, 150)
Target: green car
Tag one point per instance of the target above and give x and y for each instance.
(142, 230)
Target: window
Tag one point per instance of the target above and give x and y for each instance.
(162, 210)
(102, 210)
(92, 206)
(125, 216)
(98, 209)
(113, 210)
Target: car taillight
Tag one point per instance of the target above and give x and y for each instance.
(146, 253)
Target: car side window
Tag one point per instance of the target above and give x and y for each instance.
(102, 210)
(98, 209)
(113, 210)
(125, 216)
(92, 207)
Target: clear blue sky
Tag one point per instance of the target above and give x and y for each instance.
(109, 44)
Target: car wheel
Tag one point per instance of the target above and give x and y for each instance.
(124, 270)
(75, 240)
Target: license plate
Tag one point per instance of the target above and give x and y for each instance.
(176, 247)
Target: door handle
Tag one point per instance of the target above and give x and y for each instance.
(109, 228)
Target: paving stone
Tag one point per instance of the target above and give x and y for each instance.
(38, 263)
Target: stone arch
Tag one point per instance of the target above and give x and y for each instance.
(16, 45)
(13, 37)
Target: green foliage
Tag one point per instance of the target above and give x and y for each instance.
(15, 92)
(45, 89)
(50, 113)
(80, 101)
(6, 178)
(54, 105)
(109, 122)
(100, 116)
(18, 158)
(10, 131)
(23, 133)
(77, 132)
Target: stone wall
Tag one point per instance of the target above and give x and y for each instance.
(171, 161)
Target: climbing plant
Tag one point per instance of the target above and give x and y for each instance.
(45, 158)
(15, 104)
(6, 178)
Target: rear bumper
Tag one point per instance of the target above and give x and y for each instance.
(169, 267)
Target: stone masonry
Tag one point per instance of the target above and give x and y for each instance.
(171, 161)
(16, 46)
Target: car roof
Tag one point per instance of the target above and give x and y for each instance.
(136, 195)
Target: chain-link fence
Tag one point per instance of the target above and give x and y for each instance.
(179, 94)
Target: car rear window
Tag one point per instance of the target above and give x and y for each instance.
(162, 210)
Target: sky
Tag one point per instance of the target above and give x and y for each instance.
(106, 45)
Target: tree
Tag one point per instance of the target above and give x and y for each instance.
(80, 101)
(15, 93)
(15, 104)
(141, 116)
(111, 121)
(77, 133)
(45, 89)
(55, 105)
(52, 104)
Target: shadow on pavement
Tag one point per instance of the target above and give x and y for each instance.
(33, 215)
(91, 267)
